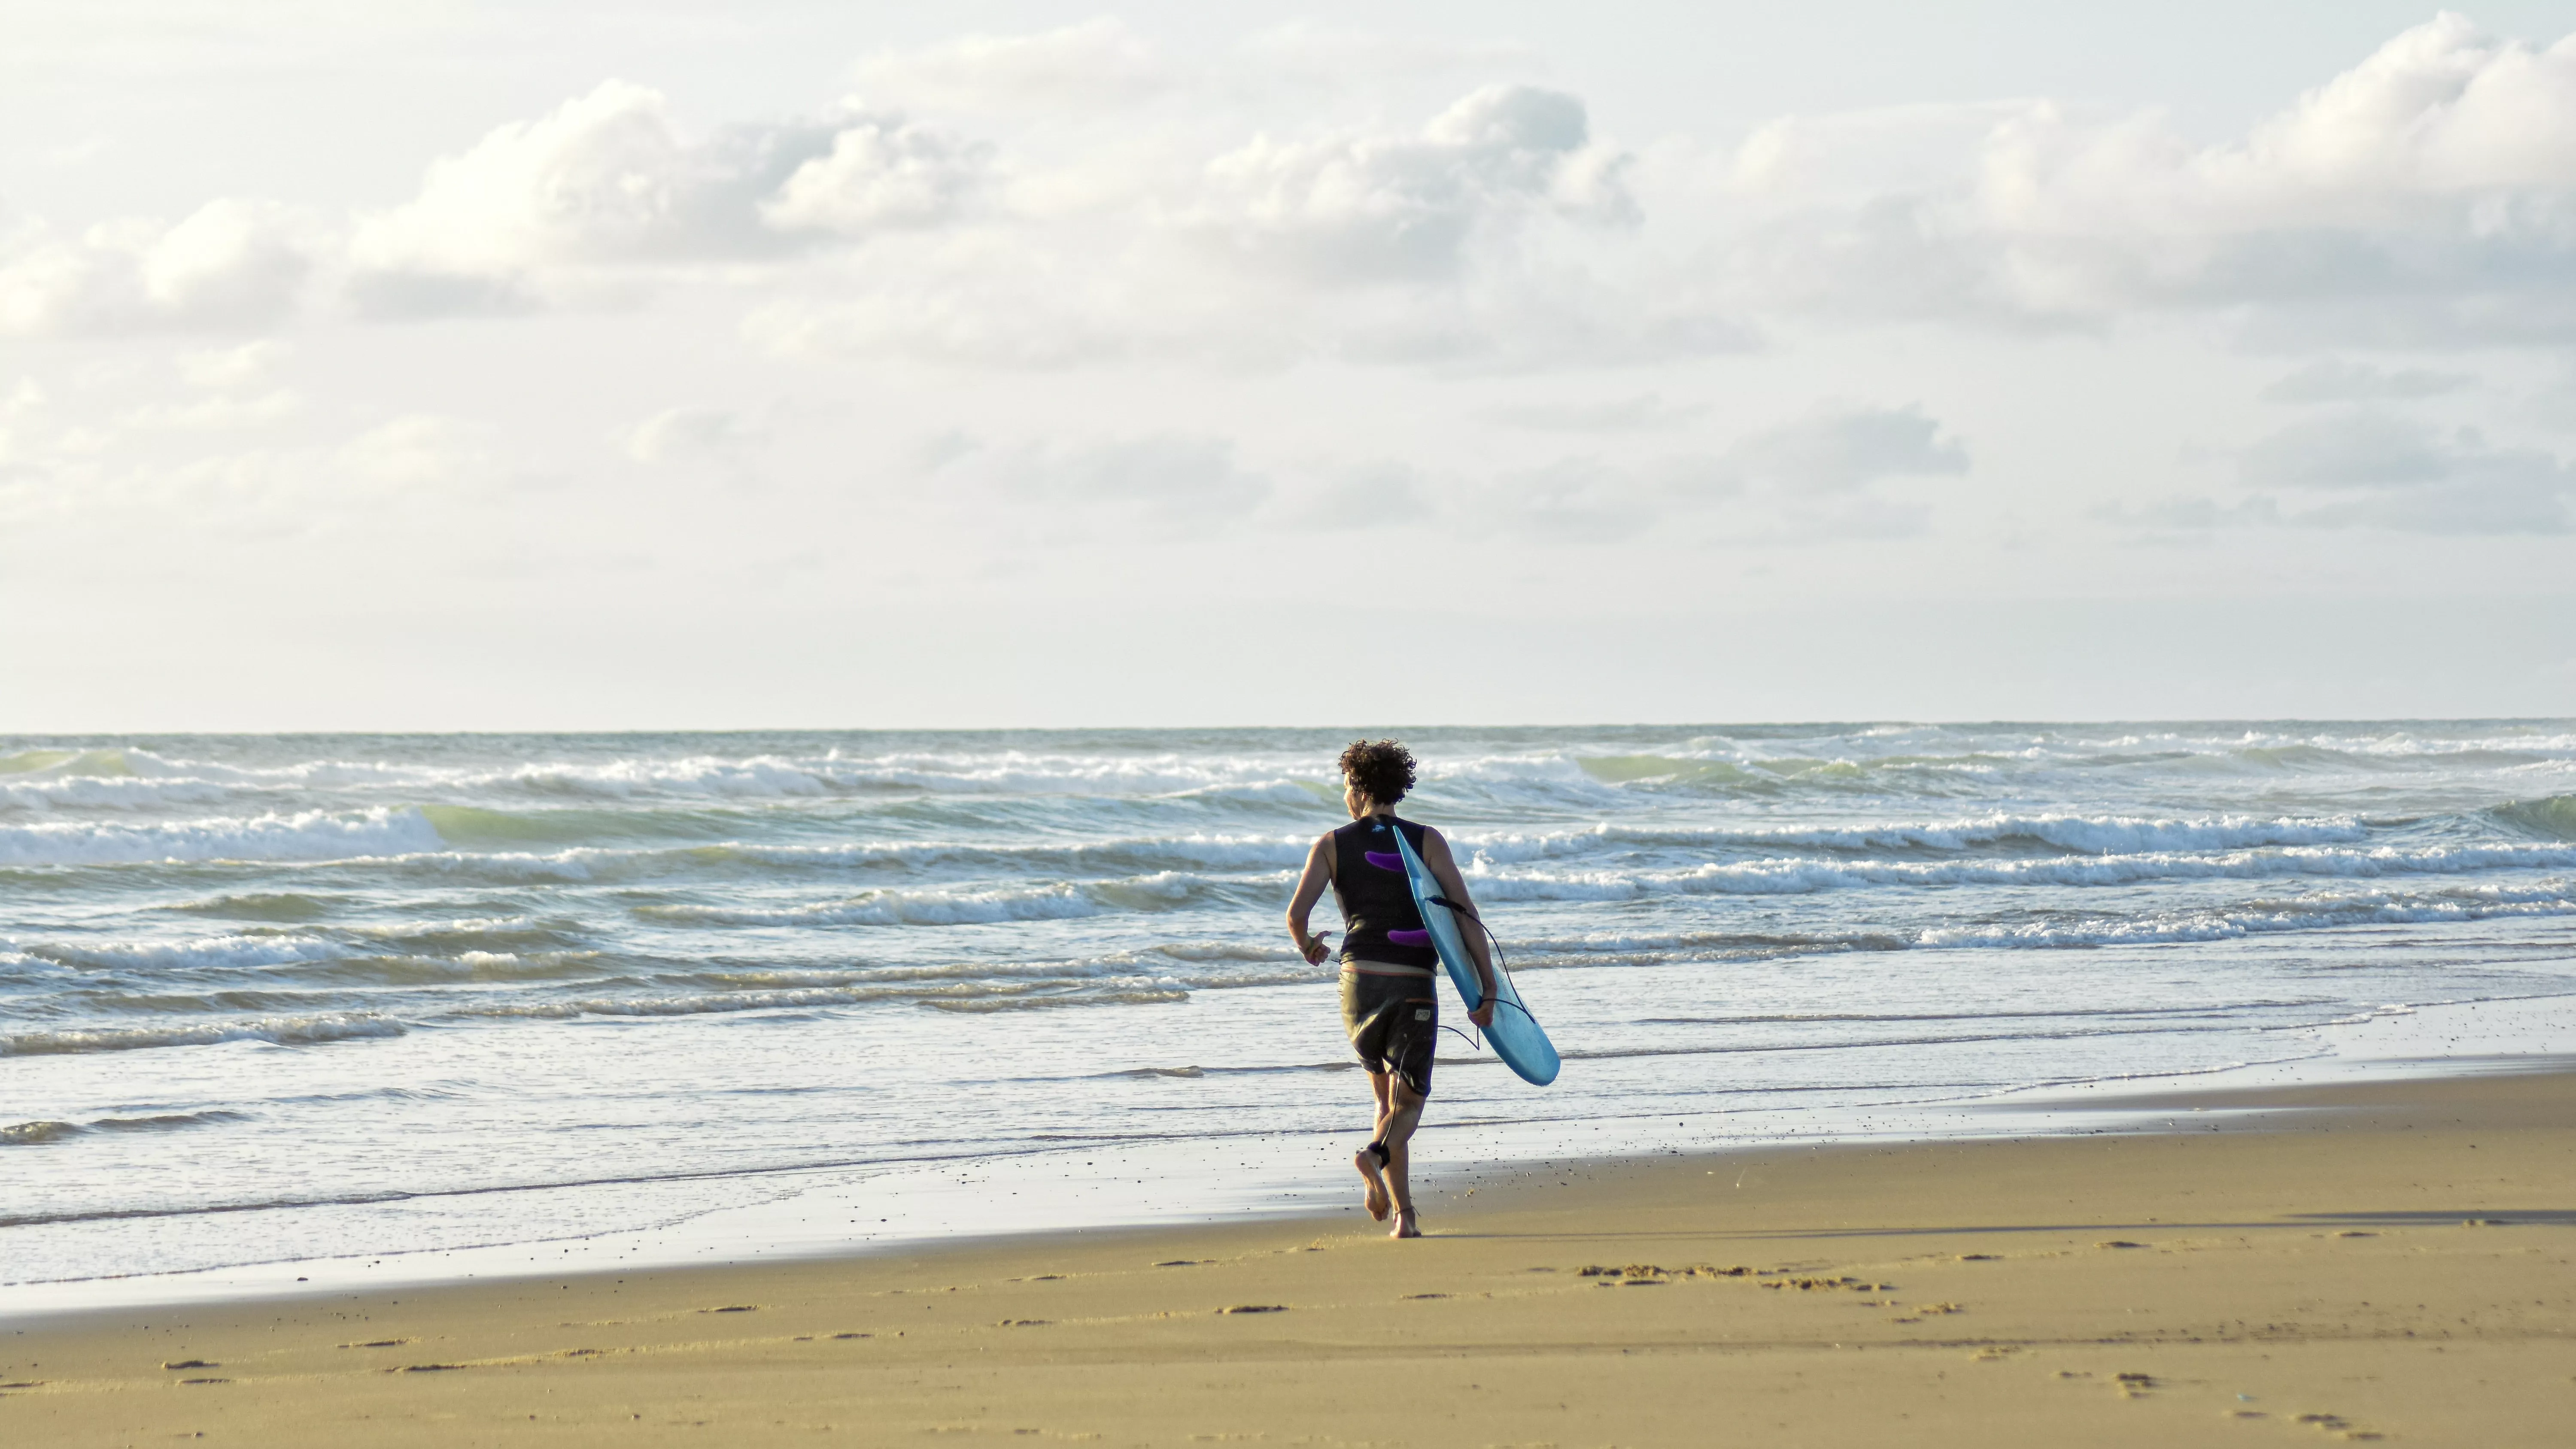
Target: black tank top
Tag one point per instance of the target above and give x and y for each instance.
(1376, 895)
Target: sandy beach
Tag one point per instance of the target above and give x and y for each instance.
(2385, 1261)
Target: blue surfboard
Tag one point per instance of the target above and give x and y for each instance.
(1515, 1034)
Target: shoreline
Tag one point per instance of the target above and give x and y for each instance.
(2362, 1254)
(941, 1204)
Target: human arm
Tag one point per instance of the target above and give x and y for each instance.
(1444, 869)
(1310, 889)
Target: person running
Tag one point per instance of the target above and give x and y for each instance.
(1388, 1005)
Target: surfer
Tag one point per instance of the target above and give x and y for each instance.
(1388, 1006)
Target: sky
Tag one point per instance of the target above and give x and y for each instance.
(640, 366)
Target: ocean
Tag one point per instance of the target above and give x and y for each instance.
(314, 1006)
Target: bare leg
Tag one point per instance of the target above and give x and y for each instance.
(1366, 1161)
(1396, 1131)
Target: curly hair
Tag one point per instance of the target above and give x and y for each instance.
(1380, 769)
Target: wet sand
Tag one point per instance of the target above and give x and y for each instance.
(2386, 1261)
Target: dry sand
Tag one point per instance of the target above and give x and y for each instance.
(2386, 1261)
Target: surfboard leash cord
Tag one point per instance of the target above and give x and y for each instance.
(1501, 967)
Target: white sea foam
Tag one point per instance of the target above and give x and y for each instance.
(283, 1030)
(518, 865)
(311, 835)
(2091, 834)
(860, 994)
(319, 774)
(2088, 834)
(760, 777)
(1147, 996)
(92, 792)
(968, 905)
(1165, 969)
(998, 773)
(2221, 925)
(1215, 851)
(28, 1134)
(895, 908)
(1796, 876)
(1017, 773)
(204, 952)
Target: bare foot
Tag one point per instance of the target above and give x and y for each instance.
(1406, 1225)
(1377, 1201)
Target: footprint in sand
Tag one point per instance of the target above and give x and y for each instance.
(2337, 1425)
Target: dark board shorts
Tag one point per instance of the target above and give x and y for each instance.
(1392, 1021)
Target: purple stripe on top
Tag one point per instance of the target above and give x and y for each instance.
(1384, 861)
(1410, 938)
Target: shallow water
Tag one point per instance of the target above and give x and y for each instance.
(270, 999)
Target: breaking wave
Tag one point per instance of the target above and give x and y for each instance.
(312, 835)
(282, 1031)
(205, 952)
(1796, 876)
(894, 908)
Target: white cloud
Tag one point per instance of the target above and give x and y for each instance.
(1405, 208)
(1461, 245)
(229, 265)
(2427, 195)
(682, 434)
(2364, 467)
(605, 180)
(881, 173)
(602, 177)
